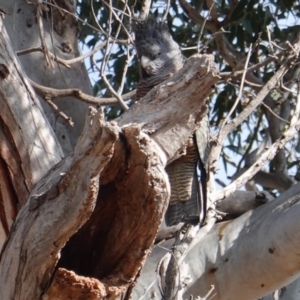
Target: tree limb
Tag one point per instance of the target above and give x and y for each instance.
(177, 103)
(263, 241)
(131, 158)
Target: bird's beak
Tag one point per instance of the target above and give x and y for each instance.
(145, 61)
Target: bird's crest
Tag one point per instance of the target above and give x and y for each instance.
(150, 24)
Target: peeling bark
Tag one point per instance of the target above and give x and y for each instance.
(256, 253)
(23, 141)
(118, 223)
(56, 208)
(59, 33)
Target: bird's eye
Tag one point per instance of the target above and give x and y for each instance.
(159, 53)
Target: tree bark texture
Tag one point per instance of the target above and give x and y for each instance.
(106, 233)
(56, 31)
(25, 137)
(246, 258)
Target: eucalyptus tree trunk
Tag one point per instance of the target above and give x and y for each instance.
(81, 205)
(53, 32)
(50, 197)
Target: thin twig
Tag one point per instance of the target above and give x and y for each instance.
(253, 67)
(267, 156)
(274, 113)
(148, 288)
(270, 39)
(203, 25)
(196, 17)
(106, 56)
(85, 23)
(67, 63)
(210, 293)
(212, 10)
(146, 5)
(277, 46)
(233, 6)
(42, 38)
(110, 88)
(60, 113)
(256, 129)
(282, 85)
(125, 69)
(164, 17)
(40, 49)
(109, 6)
(50, 93)
(240, 91)
(215, 152)
(76, 17)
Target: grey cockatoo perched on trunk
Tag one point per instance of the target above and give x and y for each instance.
(160, 57)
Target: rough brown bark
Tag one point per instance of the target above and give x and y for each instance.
(123, 215)
(56, 208)
(133, 196)
(171, 111)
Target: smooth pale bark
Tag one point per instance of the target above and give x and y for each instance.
(27, 158)
(242, 201)
(246, 258)
(60, 34)
(25, 136)
(291, 291)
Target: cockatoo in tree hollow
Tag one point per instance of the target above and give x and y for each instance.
(160, 58)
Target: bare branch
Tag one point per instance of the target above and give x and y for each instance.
(172, 285)
(50, 93)
(40, 49)
(146, 5)
(59, 112)
(240, 91)
(125, 69)
(275, 79)
(67, 63)
(212, 10)
(193, 14)
(164, 17)
(107, 54)
(110, 88)
(73, 15)
(265, 157)
(233, 6)
(42, 38)
(274, 113)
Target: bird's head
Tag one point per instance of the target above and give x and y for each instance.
(158, 53)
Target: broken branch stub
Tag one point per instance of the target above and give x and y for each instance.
(131, 203)
(60, 204)
(134, 189)
(173, 110)
(121, 230)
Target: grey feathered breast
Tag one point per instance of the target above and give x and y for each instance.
(160, 57)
